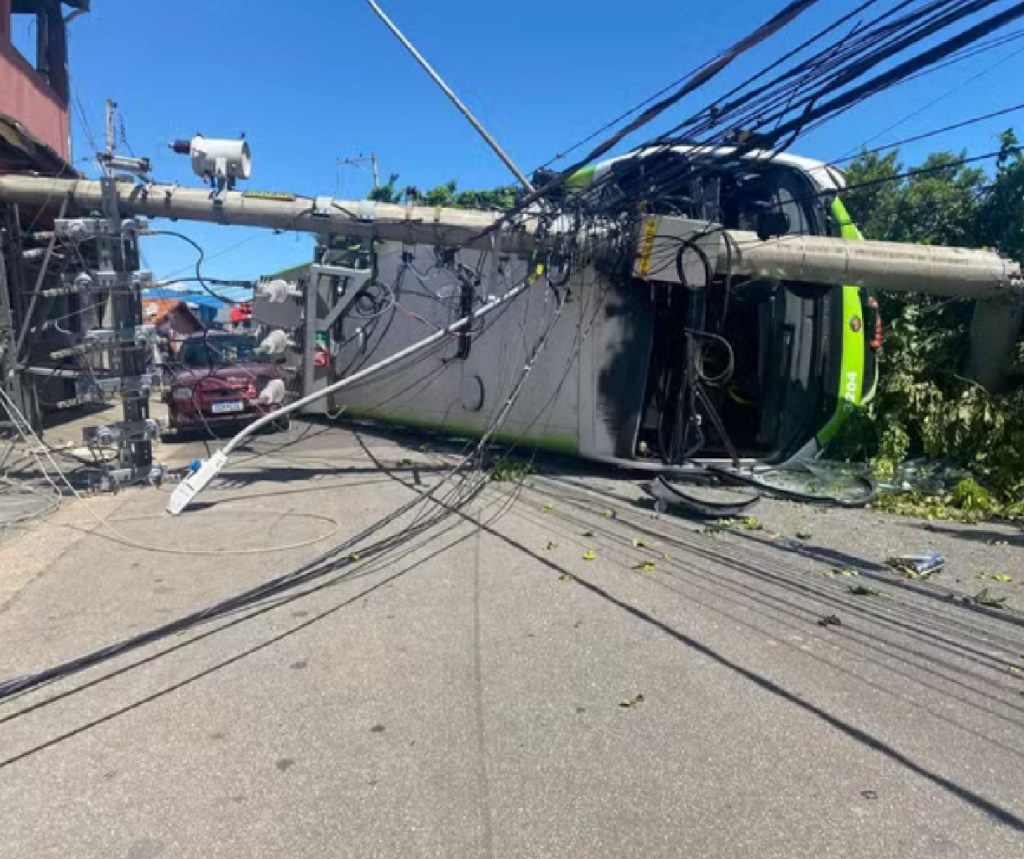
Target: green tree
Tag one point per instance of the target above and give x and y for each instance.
(386, 193)
(442, 195)
(924, 406)
(937, 203)
(1001, 217)
(447, 195)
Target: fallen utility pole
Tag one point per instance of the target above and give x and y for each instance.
(886, 266)
(271, 210)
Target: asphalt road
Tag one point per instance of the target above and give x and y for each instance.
(550, 670)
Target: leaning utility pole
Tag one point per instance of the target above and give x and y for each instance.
(448, 91)
(120, 341)
(118, 253)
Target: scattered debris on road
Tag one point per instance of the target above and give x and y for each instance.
(986, 598)
(918, 566)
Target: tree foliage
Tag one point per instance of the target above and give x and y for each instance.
(386, 193)
(446, 195)
(925, 406)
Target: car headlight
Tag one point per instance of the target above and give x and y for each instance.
(182, 393)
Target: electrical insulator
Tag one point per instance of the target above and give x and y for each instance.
(272, 394)
(279, 291)
(274, 343)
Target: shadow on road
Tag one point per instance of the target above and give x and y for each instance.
(994, 810)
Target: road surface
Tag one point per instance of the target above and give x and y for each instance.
(549, 670)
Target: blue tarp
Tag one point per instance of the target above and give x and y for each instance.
(203, 299)
(208, 308)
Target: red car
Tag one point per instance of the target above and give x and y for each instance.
(216, 380)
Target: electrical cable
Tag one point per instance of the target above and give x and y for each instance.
(706, 73)
(928, 134)
(220, 253)
(828, 49)
(246, 284)
(116, 536)
(716, 111)
(852, 61)
(939, 98)
(84, 120)
(24, 429)
(335, 526)
(317, 568)
(198, 263)
(884, 80)
(967, 53)
(950, 46)
(27, 321)
(24, 486)
(723, 376)
(777, 22)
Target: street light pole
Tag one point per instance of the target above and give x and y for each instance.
(447, 90)
(356, 160)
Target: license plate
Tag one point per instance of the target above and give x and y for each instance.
(227, 407)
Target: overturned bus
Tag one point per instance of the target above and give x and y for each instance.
(634, 371)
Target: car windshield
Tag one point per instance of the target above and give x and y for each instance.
(217, 351)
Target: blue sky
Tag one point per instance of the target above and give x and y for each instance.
(313, 81)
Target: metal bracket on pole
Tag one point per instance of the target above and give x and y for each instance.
(367, 210)
(322, 206)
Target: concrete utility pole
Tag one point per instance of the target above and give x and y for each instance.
(272, 210)
(886, 266)
(118, 252)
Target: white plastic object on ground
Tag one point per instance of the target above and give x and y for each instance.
(185, 491)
